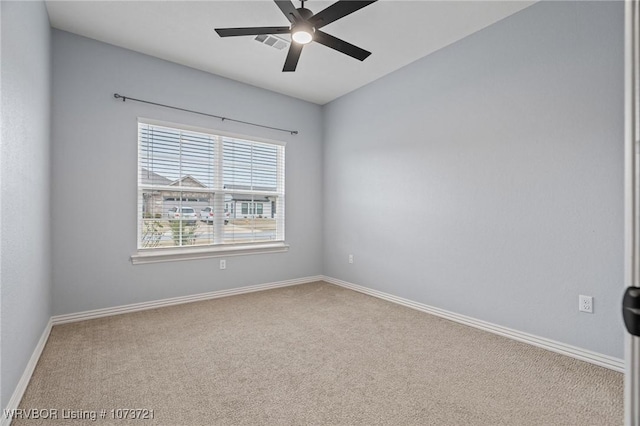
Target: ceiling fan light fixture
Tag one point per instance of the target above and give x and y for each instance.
(302, 33)
(305, 27)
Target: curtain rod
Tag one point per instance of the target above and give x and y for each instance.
(125, 98)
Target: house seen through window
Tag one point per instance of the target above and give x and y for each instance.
(203, 189)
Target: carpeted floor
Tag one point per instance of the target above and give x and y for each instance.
(311, 354)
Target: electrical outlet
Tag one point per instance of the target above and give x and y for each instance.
(585, 304)
(223, 264)
(350, 258)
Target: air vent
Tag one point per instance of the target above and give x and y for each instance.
(273, 41)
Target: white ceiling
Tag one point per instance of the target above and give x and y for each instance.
(396, 32)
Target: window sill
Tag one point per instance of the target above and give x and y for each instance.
(171, 255)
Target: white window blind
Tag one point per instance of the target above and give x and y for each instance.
(201, 189)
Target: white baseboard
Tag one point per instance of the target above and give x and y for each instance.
(26, 375)
(117, 310)
(541, 342)
(554, 346)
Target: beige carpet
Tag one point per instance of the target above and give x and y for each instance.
(312, 354)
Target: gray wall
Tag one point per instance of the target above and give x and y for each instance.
(487, 178)
(94, 162)
(25, 245)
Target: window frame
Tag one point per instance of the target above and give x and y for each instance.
(165, 254)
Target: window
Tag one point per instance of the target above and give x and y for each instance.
(187, 178)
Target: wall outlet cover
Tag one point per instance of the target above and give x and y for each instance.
(585, 304)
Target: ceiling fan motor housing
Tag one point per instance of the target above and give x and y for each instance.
(305, 13)
(302, 30)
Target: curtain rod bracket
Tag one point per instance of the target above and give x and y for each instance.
(124, 98)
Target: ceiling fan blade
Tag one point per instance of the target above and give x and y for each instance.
(340, 45)
(233, 32)
(292, 57)
(336, 11)
(289, 10)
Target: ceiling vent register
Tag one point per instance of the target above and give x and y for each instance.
(275, 42)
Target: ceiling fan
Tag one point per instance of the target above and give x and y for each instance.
(305, 28)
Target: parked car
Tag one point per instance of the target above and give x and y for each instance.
(206, 215)
(186, 214)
